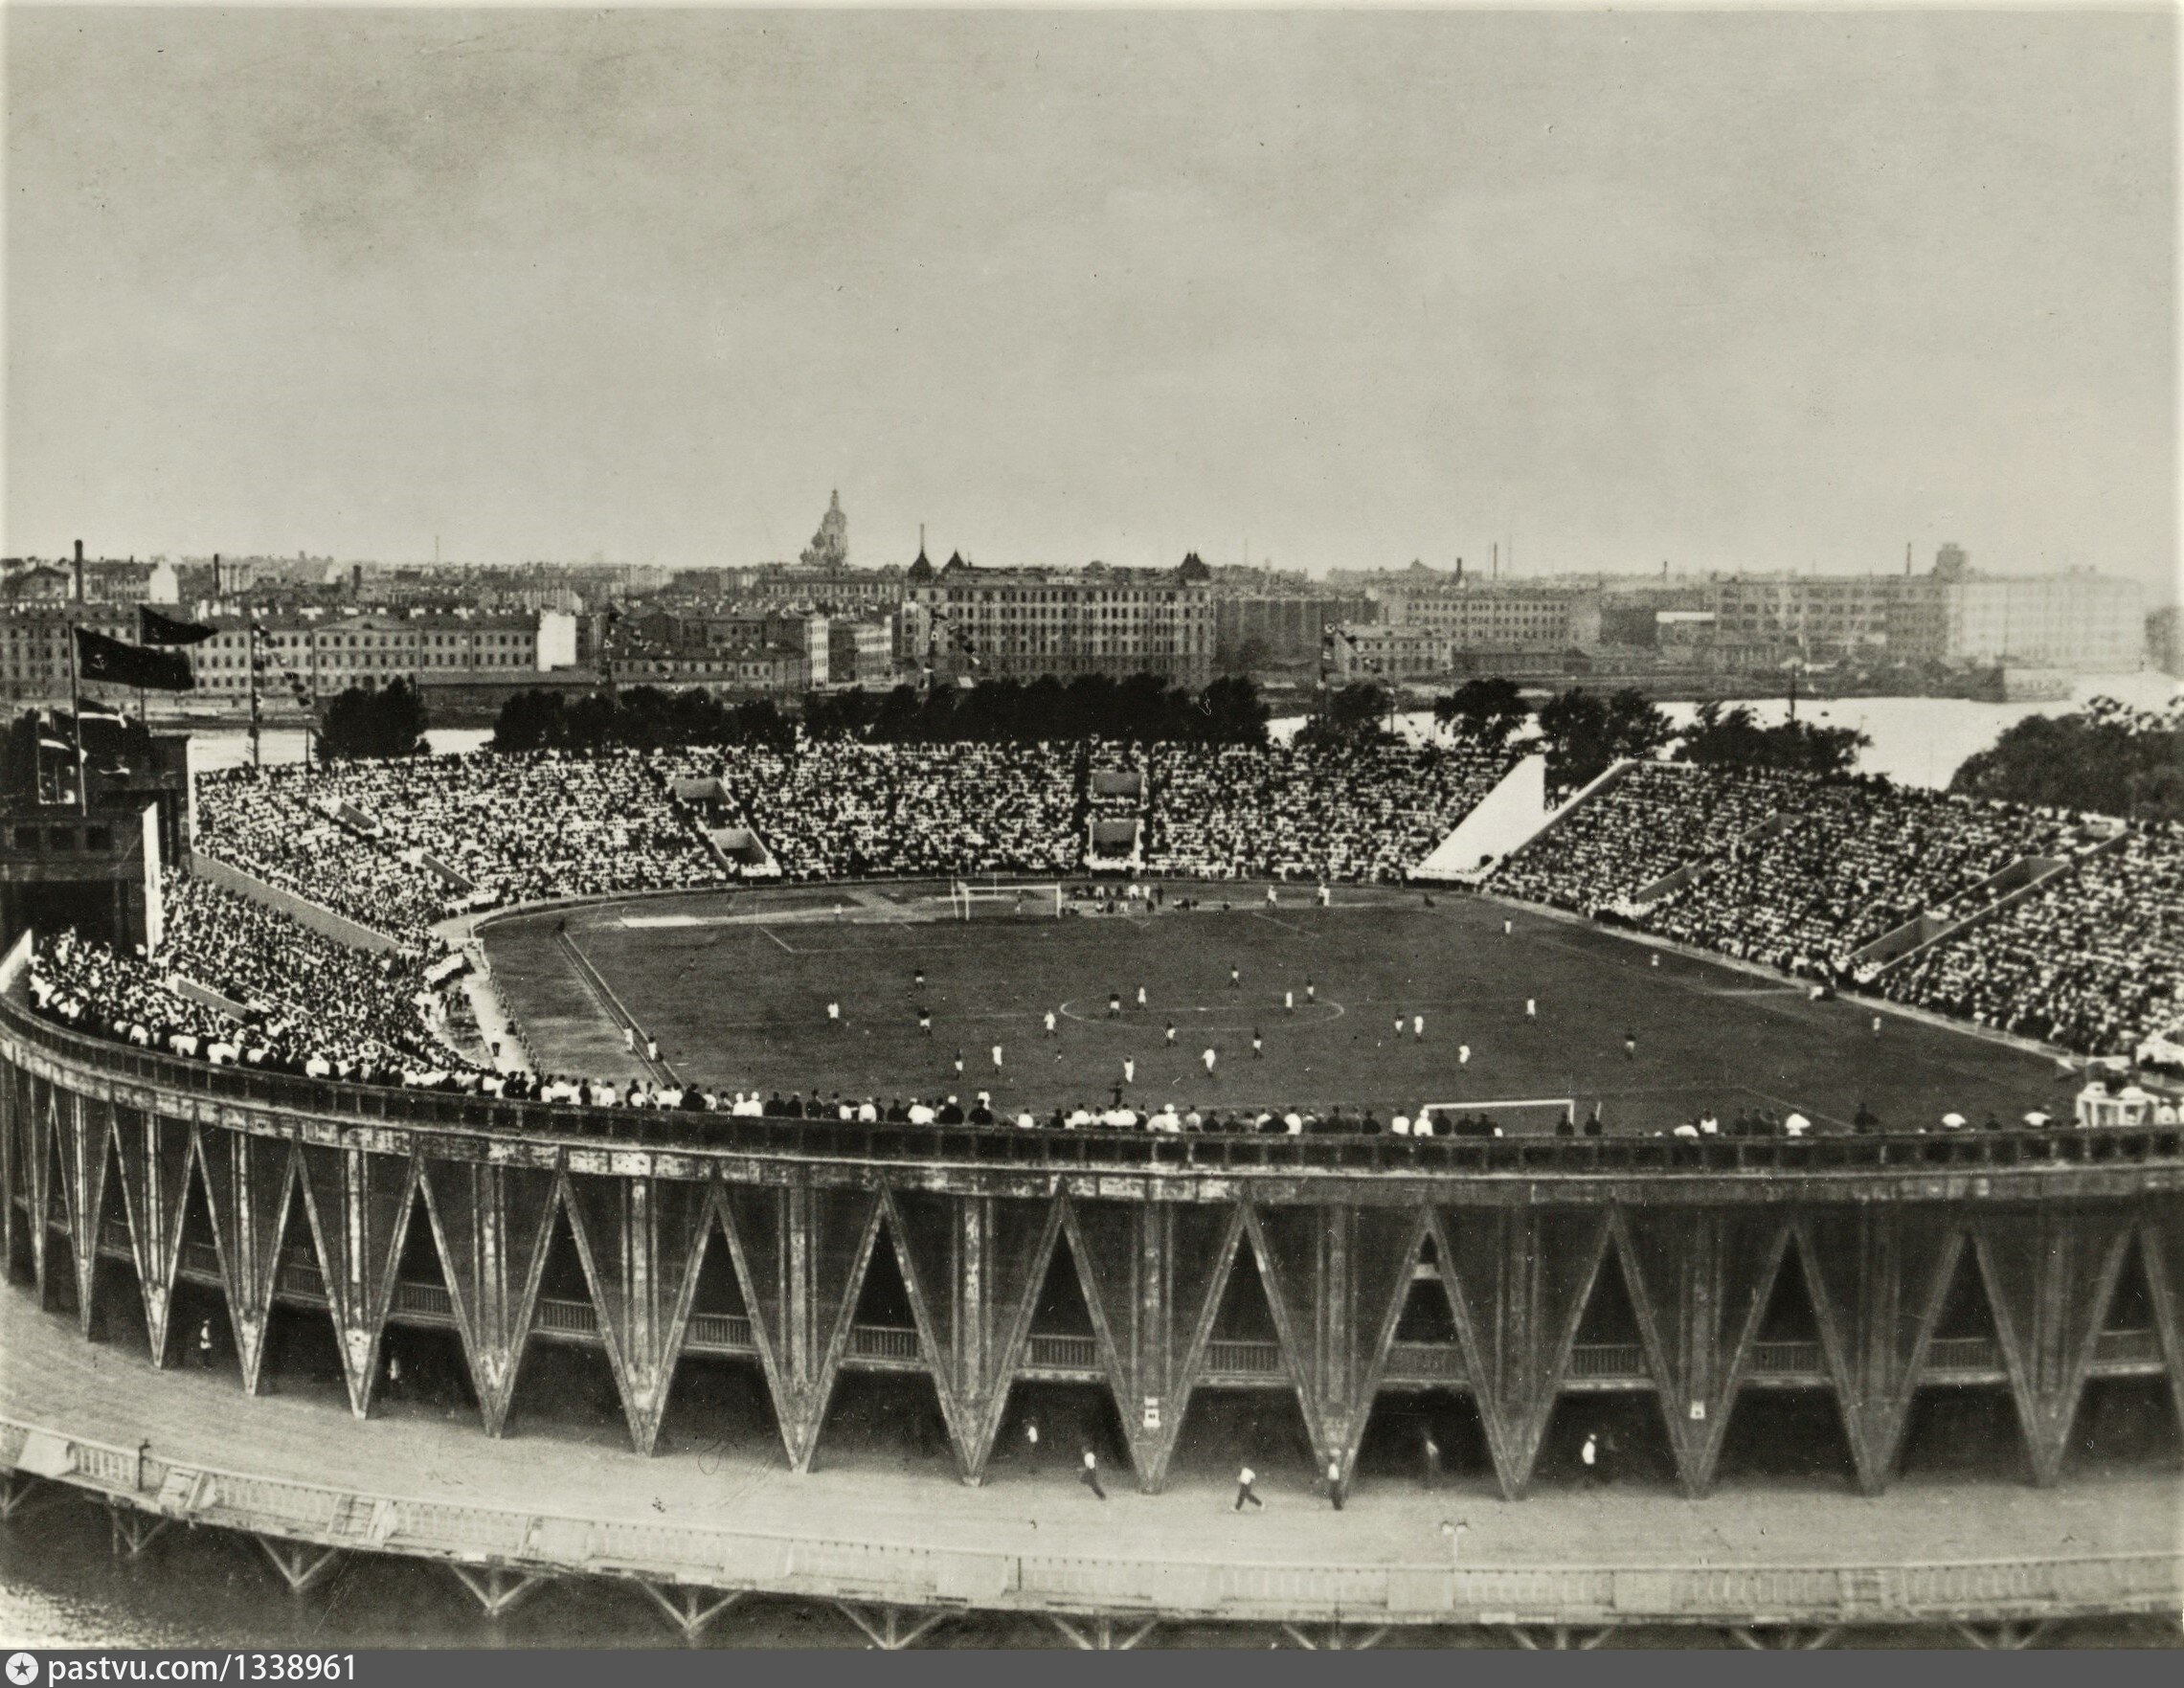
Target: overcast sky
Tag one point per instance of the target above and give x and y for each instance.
(1740, 291)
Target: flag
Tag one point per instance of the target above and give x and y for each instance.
(154, 628)
(116, 662)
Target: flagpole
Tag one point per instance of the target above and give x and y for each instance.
(75, 713)
(250, 646)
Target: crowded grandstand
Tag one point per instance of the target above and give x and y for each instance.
(2062, 928)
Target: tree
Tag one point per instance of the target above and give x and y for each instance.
(389, 722)
(1587, 734)
(1486, 712)
(2105, 758)
(1733, 738)
(1356, 712)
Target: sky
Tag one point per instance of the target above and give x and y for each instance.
(1325, 289)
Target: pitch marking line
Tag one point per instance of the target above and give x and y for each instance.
(1258, 914)
(786, 947)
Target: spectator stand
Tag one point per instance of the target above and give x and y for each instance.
(1502, 823)
(2020, 879)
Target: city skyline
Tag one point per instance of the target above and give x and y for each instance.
(1767, 293)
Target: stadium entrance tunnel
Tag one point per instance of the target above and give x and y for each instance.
(1964, 1430)
(2126, 1424)
(885, 1421)
(422, 1368)
(718, 1408)
(199, 1334)
(1796, 1436)
(563, 1384)
(1425, 1439)
(1225, 1428)
(1069, 1418)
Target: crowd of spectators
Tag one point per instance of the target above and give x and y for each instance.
(845, 809)
(1365, 813)
(1849, 862)
(1654, 820)
(539, 824)
(2093, 959)
(131, 1000)
(272, 824)
(345, 1003)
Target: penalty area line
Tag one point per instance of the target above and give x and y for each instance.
(787, 947)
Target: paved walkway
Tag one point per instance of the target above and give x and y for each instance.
(109, 1392)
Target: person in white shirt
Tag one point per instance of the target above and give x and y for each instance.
(920, 1113)
(1292, 1122)
(1400, 1125)
(1209, 1057)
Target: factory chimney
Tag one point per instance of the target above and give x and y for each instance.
(80, 570)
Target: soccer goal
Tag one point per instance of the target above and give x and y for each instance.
(1516, 1115)
(972, 901)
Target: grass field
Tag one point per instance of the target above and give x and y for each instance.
(735, 986)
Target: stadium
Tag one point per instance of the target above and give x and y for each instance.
(894, 1138)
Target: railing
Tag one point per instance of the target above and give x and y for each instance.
(721, 1330)
(1786, 1360)
(432, 1300)
(2138, 1347)
(1406, 1360)
(1608, 1359)
(1981, 1354)
(820, 1567)
(1103, 1150)
(1063, 1353)
(1244, 1360)
(576, 1318)
(874, 1341)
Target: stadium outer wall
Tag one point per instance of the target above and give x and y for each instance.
(1519, 1234)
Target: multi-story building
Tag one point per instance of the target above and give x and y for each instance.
(1280, 627)
(1368, 650)
(862, 652)
(1505, 615)
(781, 670)
(1825, 617)
(35, 638)
(1024, 622)
(374, 650)
(2078, 620)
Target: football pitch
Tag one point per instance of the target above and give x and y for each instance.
(736, 987)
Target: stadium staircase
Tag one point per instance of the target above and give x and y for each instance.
(1507, 818)
(1117, 803)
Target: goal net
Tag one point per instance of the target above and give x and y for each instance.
(972, 901)
(1517, 1116)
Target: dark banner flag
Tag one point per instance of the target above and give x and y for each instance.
(154, 628)
(117, 663)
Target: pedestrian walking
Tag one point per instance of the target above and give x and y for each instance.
(1588, 1457)
(1505, 928)
(1140, 996)
(1049, 1022)
(834, 1014)
(1258, 1046)
(1288, 1001)
(1531, 1007)
(1209, 1057)
(1630, 1045)
(1129, 1069)
(1311, 991)
(1876, 1025)
(1235, 979)
(1087, 1474)
(1335, 1483)
(1245, 1478)
(925, 1022)
(1463, 1054)
(629, 1039)
(1430, 1450)
(1171, 1034)
(1031, 1441)
(205, 1344)
(958, 1064)
(918, 980)
(1418, 1028)
(652, 1048)
(1114, 1004)
(996, 1057)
